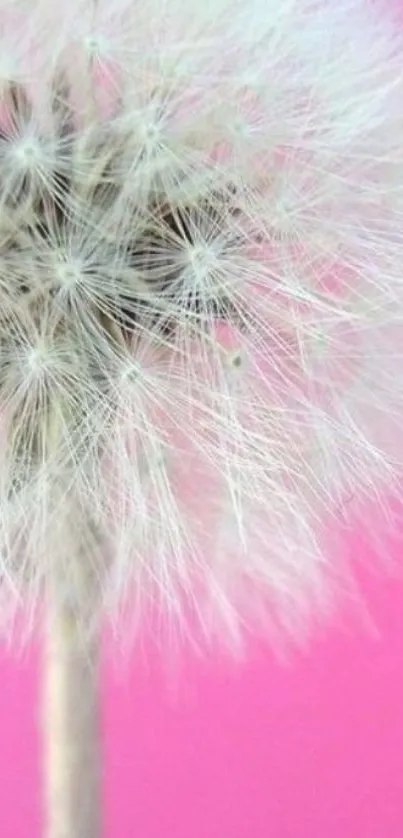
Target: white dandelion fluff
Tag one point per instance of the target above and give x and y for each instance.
(201, 301)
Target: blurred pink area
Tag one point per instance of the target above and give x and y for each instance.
(305, 748)
(310, 747)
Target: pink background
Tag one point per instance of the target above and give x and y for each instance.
(311, 747)
(307, 748)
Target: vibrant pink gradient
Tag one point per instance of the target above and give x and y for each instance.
(311, 748)
(308, 748)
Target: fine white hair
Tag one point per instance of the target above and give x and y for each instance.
(201, 302)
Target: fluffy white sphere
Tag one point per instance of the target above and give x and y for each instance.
(201, 300)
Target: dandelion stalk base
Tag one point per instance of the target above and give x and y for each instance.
(70, 727)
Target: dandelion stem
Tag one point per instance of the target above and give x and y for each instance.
(70, 710)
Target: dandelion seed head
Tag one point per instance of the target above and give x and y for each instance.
(201, 304)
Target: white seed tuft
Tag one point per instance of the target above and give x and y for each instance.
(201, 301)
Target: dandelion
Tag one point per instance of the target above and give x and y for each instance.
(201, 319)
